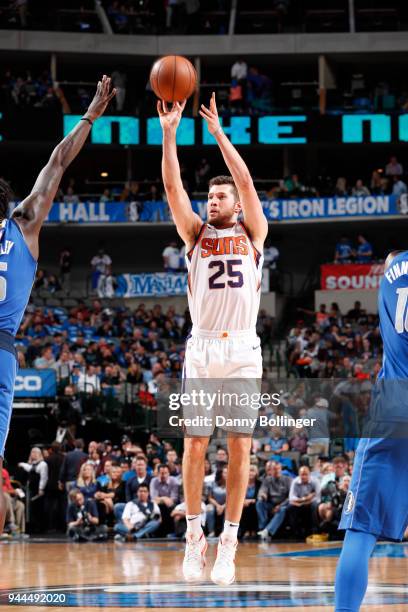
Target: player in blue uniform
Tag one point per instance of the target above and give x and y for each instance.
(19, 252)
(377, 503)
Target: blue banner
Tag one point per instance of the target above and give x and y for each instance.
(88, 212)
(325, 208)
(36, 383)
(301, 209)
(149, 285)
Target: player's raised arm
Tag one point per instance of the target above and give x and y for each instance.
(254, 217)
(32, 211)
(188, 223)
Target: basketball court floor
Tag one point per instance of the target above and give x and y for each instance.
(147, 576)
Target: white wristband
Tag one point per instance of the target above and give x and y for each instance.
(219, 129)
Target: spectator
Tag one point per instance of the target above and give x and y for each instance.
(356, 312)
(394, 168)
(334, 489)
(141, 517)
(119, 83)
(248, 525)
(216, 498)
(37, 476)
(46, 361)
(101, 265)
(141, 477)
(272, 501)
(164, 491)
(106, 196)
(15, 508)
(65, 262)
(86, 481)
(53, 496)
(53, 284)
(171, 258)
(70, 197)
(399, 187)
(341, 187)
(318, 443)
(277, 443)
(293, 186)
(343, 252)
(239, 71)
(360, 189)
(71, 465)
(37, 470)
(364, 250)
(83, 520)
(109, 494)
(376, 184)
(303, 497)
(89, 381)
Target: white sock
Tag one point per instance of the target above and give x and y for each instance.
(231, 530)
(194, 525)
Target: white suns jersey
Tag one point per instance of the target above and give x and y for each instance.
(224, 279)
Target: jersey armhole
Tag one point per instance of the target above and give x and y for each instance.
(190, 252)
(24, 239)
(257, 254)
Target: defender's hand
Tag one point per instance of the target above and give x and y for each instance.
(211, 116)
(170, 119)
(101, 99)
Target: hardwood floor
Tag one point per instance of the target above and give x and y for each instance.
(147, 576)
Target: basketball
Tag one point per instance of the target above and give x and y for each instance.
(173, 78)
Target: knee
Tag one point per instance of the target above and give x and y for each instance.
(195, 448)
(239, 447)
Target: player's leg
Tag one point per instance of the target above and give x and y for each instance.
(8, 368)
(3, 503)
(239, 447)
(352, 570)
(195, 449)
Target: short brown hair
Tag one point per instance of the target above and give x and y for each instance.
(224, 180)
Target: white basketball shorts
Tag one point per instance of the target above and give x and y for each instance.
(229, 354)
(227, 367)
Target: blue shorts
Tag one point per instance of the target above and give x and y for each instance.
(8, 370)
(377, 501)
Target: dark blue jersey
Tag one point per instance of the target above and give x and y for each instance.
(393, 312)
(17, 273)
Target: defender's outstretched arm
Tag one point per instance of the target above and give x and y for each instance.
(32, 211)
(188, 223)
(254, 217)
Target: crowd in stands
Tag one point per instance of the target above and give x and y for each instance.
(24, 89)
(75, 15)
(346, 253)
(335, 344)
(131, 491)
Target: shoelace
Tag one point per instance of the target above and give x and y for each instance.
(193, 552)
(226, 553)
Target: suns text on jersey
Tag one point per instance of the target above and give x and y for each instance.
(227, 245)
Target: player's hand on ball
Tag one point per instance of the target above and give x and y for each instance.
(101, 98)
(170, 119)
(211, 116)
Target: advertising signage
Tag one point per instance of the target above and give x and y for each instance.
(269, 130)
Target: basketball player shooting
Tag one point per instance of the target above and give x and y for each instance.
(19, 250)
(224, 260)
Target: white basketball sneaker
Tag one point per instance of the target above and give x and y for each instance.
(194, 558)
(223, 572)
